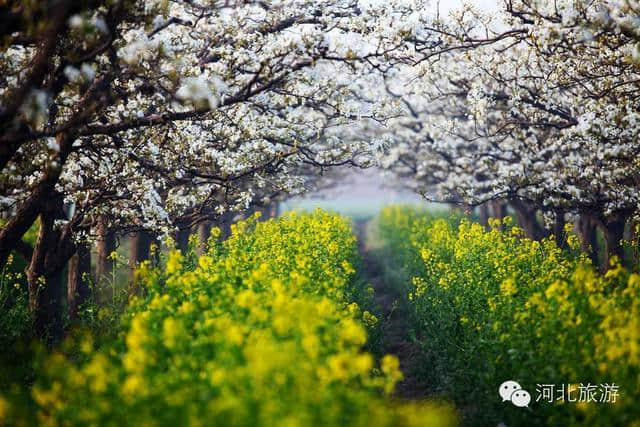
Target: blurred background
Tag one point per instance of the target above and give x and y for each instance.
(360, 194)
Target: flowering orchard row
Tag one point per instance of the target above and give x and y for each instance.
(268, 327)
(536, 108)
(120, 116)
(493, 306)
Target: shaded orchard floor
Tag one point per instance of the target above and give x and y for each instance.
(397, 335)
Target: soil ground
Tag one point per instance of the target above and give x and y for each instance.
(395, 320)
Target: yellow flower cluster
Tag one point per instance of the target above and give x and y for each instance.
(265, 328)
(493, 305)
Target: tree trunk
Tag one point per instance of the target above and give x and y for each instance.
(12, 232)
(628, 259)
(484, 214)
(105, 246)
(588, 230)
(45, 286)
(248, 212)
(139, 250)
(225, 225)
(613, 234)
(78, 286)
(498, 209)
(182, 239)
(274, 210)
(558, 230)
(204, 231)
(40, 198)
(528, 220)
(264, 212)
(634, 244)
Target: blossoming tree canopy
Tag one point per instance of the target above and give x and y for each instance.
(536, 105)
(157, 115)
(147, 115)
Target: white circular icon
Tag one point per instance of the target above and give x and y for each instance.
(521, 398)
(507, 388)
(513, 392)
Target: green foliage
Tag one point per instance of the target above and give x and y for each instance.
(15, 325)
(15, 320)
(14, 305)
(493, 306)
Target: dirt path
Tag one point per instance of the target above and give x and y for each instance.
(395, 323)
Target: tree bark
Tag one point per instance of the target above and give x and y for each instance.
(634, 244)
(613, 234)
(274, 210)
(248, 212)
(558, 230)
(182, 239)
(588, 230)
(225, 225)
(139, 250)
(527, 219)
(483, 211)
(24, 249)
(264, 212)
(31, 208)
(204, 231)
(33, 75)
(45, 284)
(78, 282)
(105, 246)
(498, 209)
